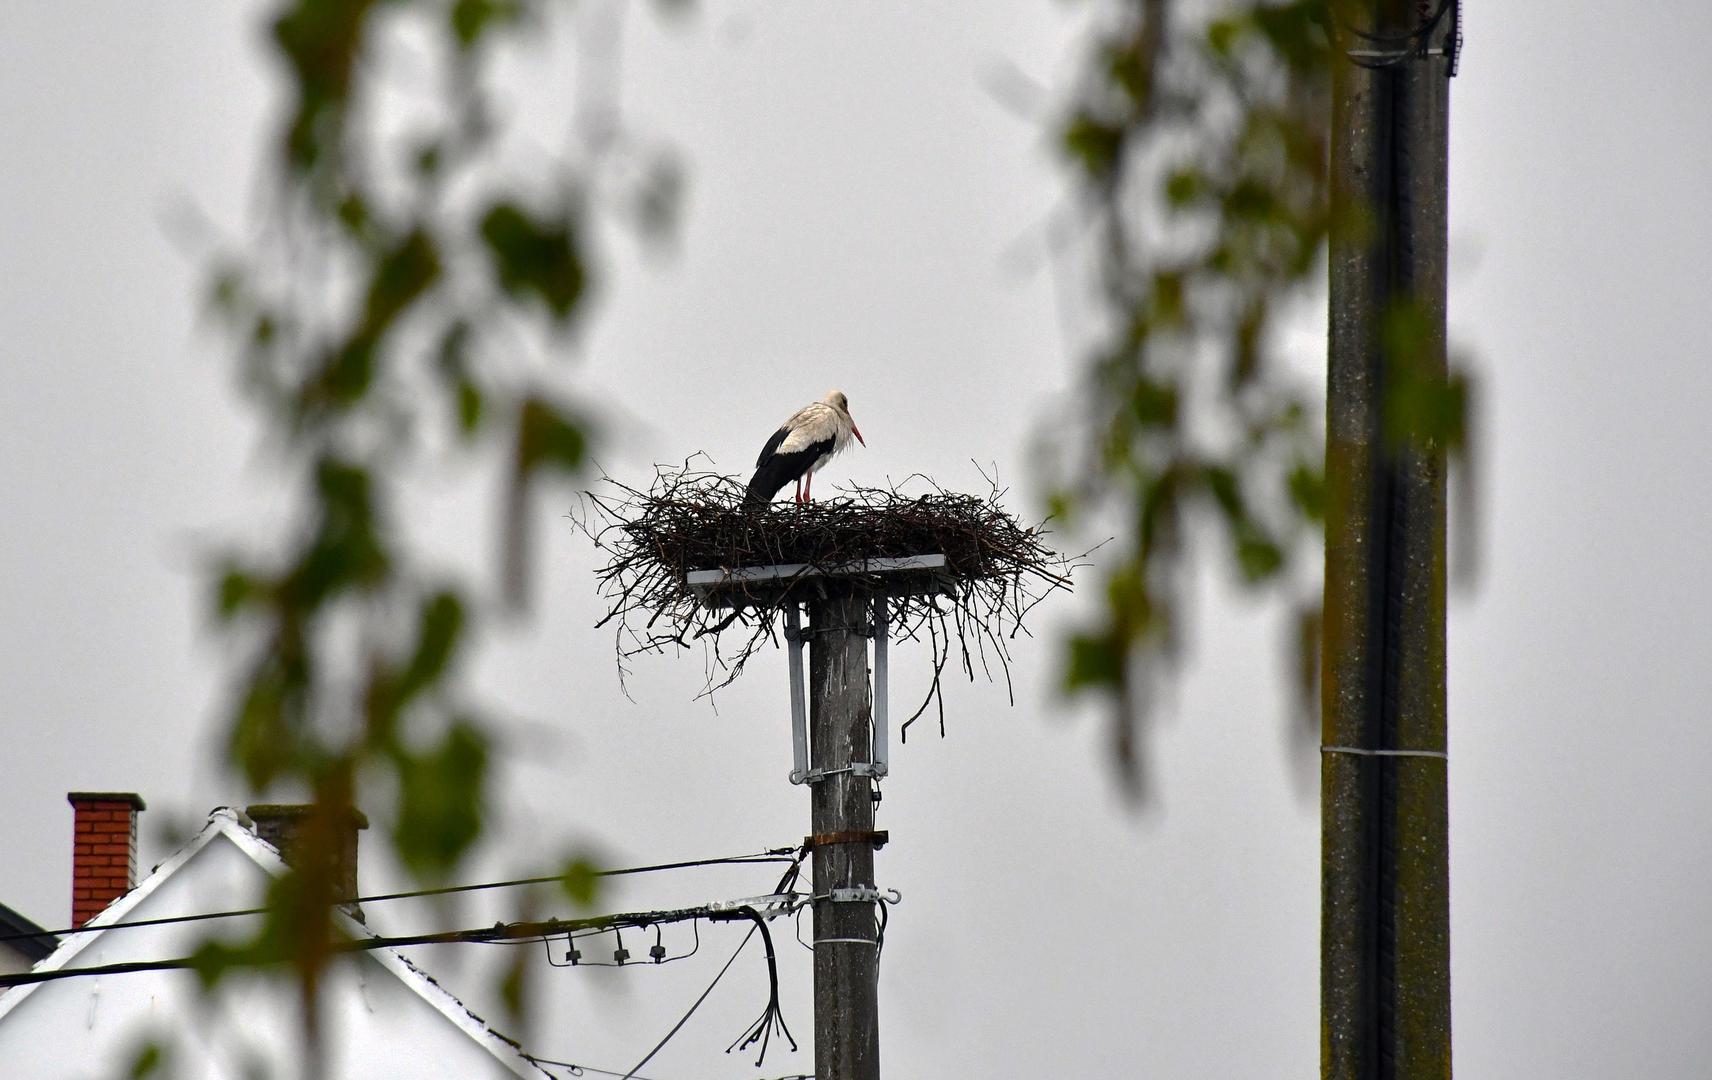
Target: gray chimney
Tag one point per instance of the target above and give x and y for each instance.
(285, 826)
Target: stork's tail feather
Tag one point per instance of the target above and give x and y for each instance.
(765, 484)
(755, 498)
(772, 474)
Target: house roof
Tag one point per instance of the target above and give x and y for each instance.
(226, 823)
(37, 945)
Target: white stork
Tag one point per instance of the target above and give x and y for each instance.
(805, 442)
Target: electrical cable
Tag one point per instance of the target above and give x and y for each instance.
(772, 1016)
(578, 1069)
(631, 1075)
(786, 882)
(499, 931)
(880, 933)
(770, 855)
(574, 958)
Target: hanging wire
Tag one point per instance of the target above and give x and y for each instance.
(631, 1075)
(573, 957)
(772, 1016)
(770, 855)
(880, 931)
(579, 1069)
(796, 920)
(787, 881)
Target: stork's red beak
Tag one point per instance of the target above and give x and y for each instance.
(856, 431)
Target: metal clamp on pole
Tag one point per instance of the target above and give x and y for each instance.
(876, 837)
(871, 769)
(861, 894)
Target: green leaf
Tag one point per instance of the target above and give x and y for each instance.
(470, 404)
(1129, 67)
(1257, 554)
(454, 368)
(1308, 490)
(581, 882)
(149, 1060)
(1222, 35)
(320, 42)
(1096, 660)
(407, 271)
(1168, 298)
(537, 258)
(1406, 330)
(440, 800)
(236, 591)
(471, 19)
(353, 213)
(1222, 483)
(546, 436)
(1094, 144)
(1154, 404)
(1185, 186)
(439, 628)
(348, 551)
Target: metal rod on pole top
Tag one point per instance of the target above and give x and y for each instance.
(882, 753)
(799, 710)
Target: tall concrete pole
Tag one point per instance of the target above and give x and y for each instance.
(846, 960)
(1385, 926)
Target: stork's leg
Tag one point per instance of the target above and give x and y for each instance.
(809, 495)
(798, 493)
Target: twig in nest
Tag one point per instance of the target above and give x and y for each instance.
(688, 519)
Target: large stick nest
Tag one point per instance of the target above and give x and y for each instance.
(996, 569)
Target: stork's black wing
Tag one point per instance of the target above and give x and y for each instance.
(773, 470)
(772, 444)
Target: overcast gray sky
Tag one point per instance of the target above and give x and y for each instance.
(852, 189)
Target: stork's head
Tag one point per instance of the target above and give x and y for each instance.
(837, 400)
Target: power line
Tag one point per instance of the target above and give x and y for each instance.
(500, 931)
(770, 855)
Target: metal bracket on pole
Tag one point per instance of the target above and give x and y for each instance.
(770, 906)
(861, 894)
(799, 710)
(880, 766)
(882, 632)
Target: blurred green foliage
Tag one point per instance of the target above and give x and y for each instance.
(398, 303)
(1200, 144)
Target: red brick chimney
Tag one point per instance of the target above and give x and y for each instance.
(103, 850)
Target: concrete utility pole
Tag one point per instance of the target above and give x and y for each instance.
(846, 961)
(1385, 918)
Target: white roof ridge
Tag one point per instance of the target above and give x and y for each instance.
(227, 822)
